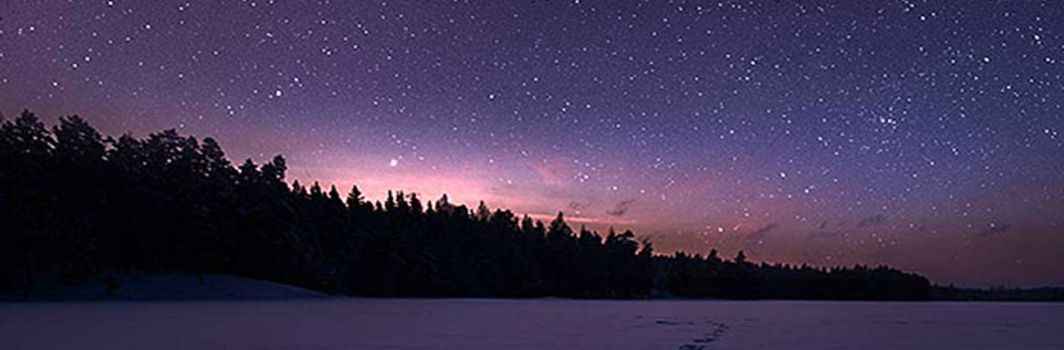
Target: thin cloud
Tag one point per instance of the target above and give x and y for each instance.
(761, 232)
(576, 206)
(621, 208)
(875, 220)
(994, 230)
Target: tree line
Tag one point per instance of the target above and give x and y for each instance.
(77, 206)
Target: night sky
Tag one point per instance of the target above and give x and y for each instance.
(922, 134)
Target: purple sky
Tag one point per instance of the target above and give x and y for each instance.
(919, 134)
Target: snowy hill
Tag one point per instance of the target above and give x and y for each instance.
(173, 287)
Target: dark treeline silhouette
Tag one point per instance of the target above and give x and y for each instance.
(997, 294)
(694, 276)
(76, 206)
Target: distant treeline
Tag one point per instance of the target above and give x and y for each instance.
(997, 294)
(76, 206)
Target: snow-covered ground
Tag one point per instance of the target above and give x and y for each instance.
(172, 287)
(342, 323)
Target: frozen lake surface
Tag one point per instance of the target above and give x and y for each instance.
(529, 324)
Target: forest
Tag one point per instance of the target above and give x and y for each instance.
(76, 205)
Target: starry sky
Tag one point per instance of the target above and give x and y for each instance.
(921, 134)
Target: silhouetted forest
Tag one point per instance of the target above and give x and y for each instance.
(77, 206)
(997, 294)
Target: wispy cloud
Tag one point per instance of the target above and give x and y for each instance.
(994, 230)
(621, 208)
(875, 220)
(762, 231)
